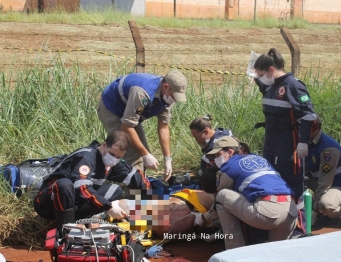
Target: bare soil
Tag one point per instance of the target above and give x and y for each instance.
(192, 49)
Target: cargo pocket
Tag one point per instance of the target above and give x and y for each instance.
(293, 210)
(265, 209)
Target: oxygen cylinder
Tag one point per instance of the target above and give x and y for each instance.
(308, 203)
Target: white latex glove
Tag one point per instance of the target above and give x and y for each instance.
(149, 161)
(198, 219)
(313, 218)
(116, 211)
(302, 150)
(168, 169)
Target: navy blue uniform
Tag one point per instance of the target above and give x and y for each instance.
(289, 118)
(324, 163)
(78, 182)
(205, 162)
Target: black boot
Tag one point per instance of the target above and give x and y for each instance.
(64, 217)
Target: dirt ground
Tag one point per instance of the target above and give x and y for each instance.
(192, 49)
(194, 251)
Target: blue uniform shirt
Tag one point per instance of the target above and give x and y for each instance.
(253, 176)
(324, 163)
(115, 95)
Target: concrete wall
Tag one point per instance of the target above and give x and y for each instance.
(98, 5)
(186, 8)
(16, 5)
(315, 11)
(326, 11)
(135, 7)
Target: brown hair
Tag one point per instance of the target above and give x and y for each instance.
(119, 139)
(200, 123)
(272, 58)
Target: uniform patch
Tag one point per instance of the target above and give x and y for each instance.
(84, 171)
(218, 178)
(327, 155)
(304, 98)
(145, 101)
(326, 168)
(314, 159)
(139, 111)
(281, 91)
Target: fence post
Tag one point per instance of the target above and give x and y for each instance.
(140, 52)
(294, 50)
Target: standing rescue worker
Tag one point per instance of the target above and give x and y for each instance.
(75, 188)
(133, 98)
(289, 118)
(248, 188)
(324, 163)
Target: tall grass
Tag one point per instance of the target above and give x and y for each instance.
(112, 16)
(52, 111)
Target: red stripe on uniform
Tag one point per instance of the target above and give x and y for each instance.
(57, 203)
(89, 196)
(145, 180)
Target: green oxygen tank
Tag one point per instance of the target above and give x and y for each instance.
(308, 201)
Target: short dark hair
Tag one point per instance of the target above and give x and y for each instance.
(200, 123)
(119, 139)
(209, 180)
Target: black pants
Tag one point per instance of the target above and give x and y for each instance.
(279, 148)
(68, 197)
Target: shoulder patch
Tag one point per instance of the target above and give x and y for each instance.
(281, 91)
(304, 98)
(326, 168)
(327, 155)
(139, 111)
(84, 170)
(145, 101)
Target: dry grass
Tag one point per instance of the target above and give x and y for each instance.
(19, 224)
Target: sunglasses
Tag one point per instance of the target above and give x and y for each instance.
(200, 134)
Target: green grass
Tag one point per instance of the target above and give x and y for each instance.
(112, 16)
(48, 111)
(52, 111)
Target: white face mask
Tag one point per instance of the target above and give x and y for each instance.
(219, 161)
(267, 81)
(207, 140)
(168, 99)
(109, 160)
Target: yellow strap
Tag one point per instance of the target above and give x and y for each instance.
(192, 197)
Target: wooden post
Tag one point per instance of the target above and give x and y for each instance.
(140, 52)
(294, 50)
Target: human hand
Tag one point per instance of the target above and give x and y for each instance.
(168, 168)
(198, 219)
(149, 161)
(302, 150)
(116, 211)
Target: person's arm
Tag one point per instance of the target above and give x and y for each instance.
(134, 139)
(164, 138)
(82, 169)
(137, 100)
(302, 107)
(326, 174)
(124, 173)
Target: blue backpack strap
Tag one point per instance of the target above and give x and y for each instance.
(12, 175)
